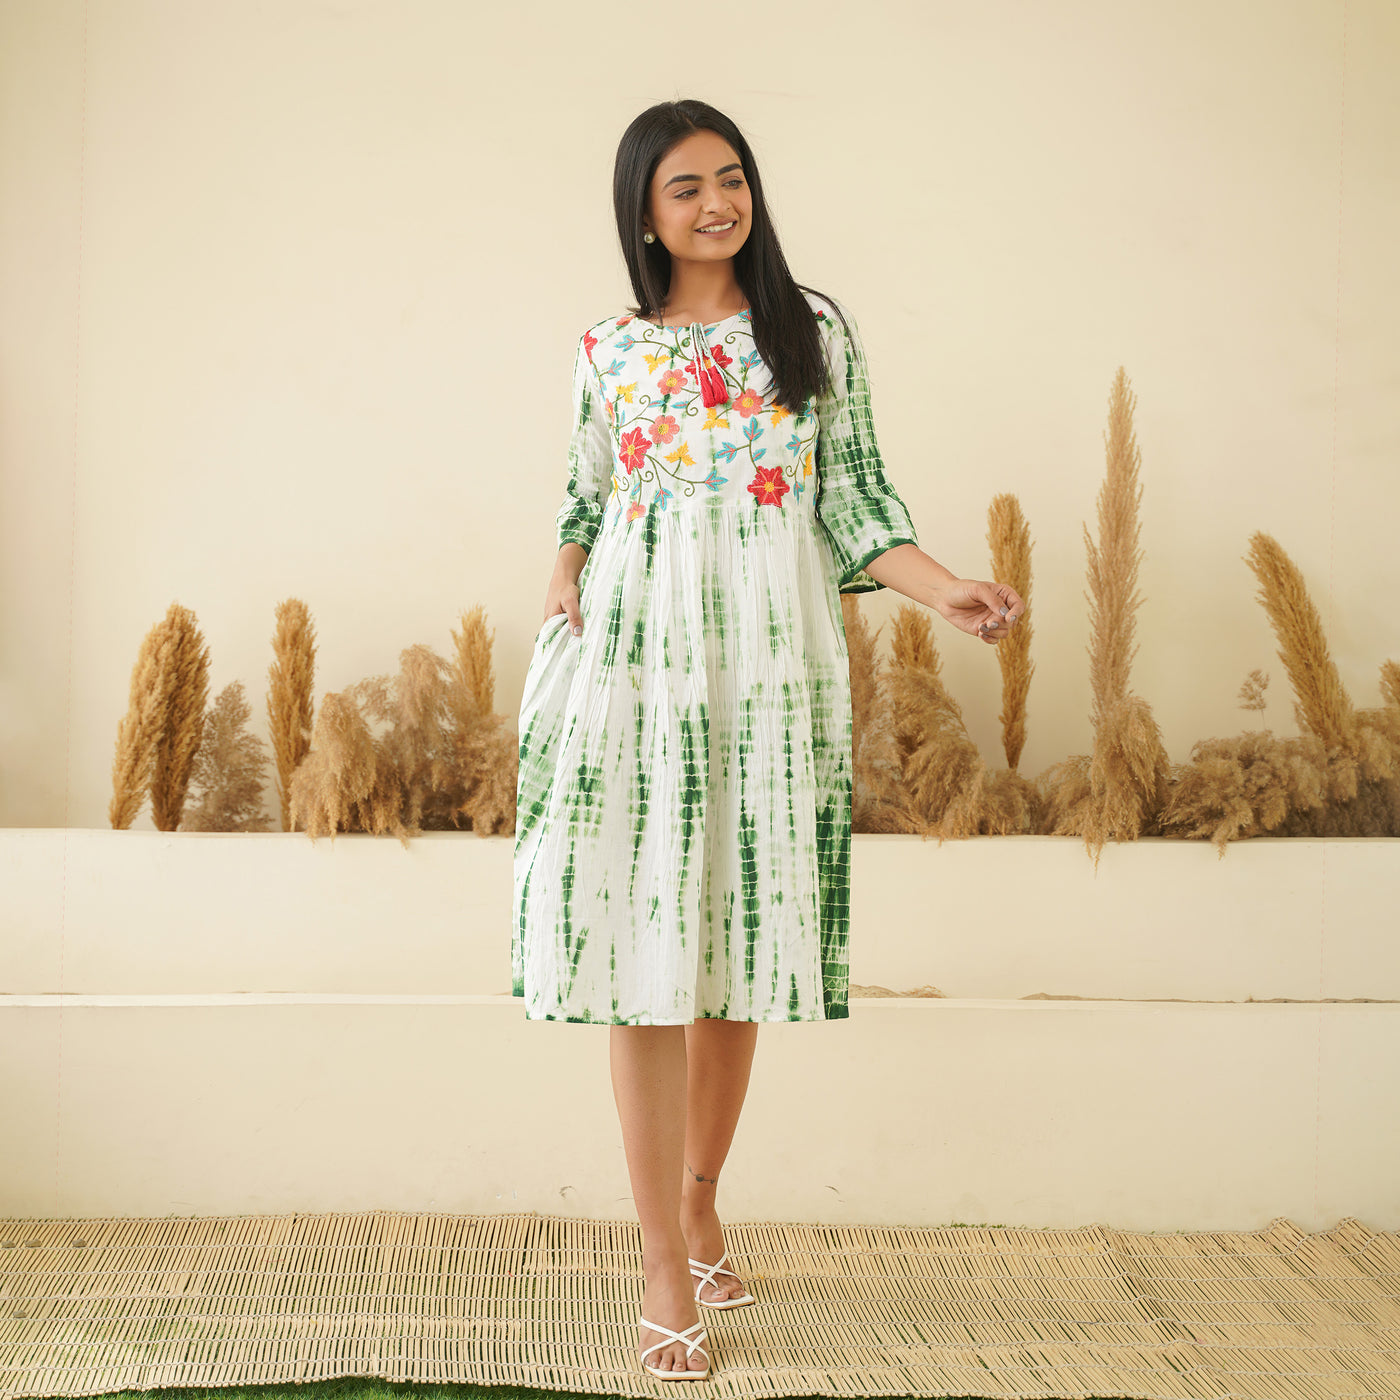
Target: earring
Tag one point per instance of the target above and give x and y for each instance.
(648, 237)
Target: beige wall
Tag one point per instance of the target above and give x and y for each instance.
(289, 295)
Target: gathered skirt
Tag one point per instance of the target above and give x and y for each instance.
(683, 822)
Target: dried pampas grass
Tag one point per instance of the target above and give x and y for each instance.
(1339, 777)
(942, 775)
(877, 803)
(1115, 792)
(159, 735)
(424, 750)
(916, 769)
(1012, 803)
(226, 787)
(415, 752)
(289, 685)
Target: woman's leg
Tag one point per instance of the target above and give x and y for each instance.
(719, 1055)
(649, 1083)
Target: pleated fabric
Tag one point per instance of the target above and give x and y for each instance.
(683, 816)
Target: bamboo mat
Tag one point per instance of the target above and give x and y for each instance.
(88, 1306)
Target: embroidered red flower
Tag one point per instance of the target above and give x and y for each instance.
(768, 486)
(748, 403)
(664, 429)
(672, 381)
(589, 341)
(633, 449)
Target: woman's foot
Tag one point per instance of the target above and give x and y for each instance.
(704, 1238)
(668, 1298)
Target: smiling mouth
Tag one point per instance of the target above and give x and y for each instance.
(716, 230)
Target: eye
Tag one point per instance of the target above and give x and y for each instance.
(681, 194)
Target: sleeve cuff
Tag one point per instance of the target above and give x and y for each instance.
(855, 580)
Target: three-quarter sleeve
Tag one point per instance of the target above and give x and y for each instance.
(590, 458)
(861, 512)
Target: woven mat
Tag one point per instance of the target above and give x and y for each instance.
(88, 1306)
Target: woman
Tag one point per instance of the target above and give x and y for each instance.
(683, 836)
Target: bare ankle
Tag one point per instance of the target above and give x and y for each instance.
(666, 1251)
(698, 1193)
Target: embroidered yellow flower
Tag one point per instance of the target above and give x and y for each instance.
(714, 419)
(681, 455)
(778, 414)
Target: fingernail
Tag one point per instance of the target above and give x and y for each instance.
(578, 631)
(1003, 612)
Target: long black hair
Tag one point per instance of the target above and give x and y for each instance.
(784, 327)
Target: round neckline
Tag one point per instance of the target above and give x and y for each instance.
(738, 315)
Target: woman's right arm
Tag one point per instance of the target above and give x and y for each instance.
(590, 479)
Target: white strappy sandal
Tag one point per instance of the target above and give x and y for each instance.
(706, 1274)
(680, 1373)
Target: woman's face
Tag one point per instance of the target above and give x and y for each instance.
(698, 183)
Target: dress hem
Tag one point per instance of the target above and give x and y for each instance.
(834, 1015)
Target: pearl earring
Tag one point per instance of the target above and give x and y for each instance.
(648, 237)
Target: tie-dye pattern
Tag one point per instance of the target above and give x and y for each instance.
(683, 822)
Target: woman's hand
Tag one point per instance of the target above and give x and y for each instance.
(563, 595)
(986, 610)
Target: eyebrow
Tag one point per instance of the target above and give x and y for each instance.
(720, 171)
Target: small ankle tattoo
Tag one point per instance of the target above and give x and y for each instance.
(714, 1180)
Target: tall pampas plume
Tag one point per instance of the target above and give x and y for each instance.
(159, 736)
(289, 686)
(485, 750)
(1360, 771)
(1012, 804)
(1116, 793)
(140, 729)
(1010, 539)
(1321, 703)
(186, 693)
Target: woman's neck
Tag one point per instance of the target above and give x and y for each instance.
(702, 292)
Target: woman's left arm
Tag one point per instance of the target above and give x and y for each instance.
(986, 610)
(872, 536)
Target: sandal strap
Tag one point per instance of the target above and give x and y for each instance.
(690, 1346)
(707, 1272)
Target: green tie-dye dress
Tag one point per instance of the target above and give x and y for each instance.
(683, 830)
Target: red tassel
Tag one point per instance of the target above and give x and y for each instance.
(713, 389)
